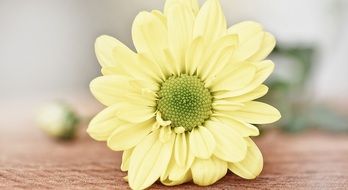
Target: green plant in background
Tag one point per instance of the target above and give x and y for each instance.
(290, 94)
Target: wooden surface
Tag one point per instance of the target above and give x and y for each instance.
(308, 161)
(31, 160)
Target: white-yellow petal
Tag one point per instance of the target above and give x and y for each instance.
(165, 134)
(210, 22)
(192, 5)
(245, 30)
(135, 104)
(236, 80)
(230, 145)
(104, 46)
(129, 135)
(180, 21)
(150, 37)
(149, 34)
(263, 70)
(114, 70)
(243, 128)
(249, 48)
(104, 123)
(181, 149)
(202, 142)
(267, 45)
(256, 113)
(226, 106)
(208, 171)
(126, 155)
(123, 56)
(106, 88)
(175, 172)
(251, 38)
(186, 178)
(255, 94)
(160, 120)
(135, 113)
(251, 166)
(194, 55)
(136, 66)
(112, 89)
(160, 16)
(149, 160)
(150, 68)
(218, 56)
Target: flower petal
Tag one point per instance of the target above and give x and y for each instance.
(150, 68)
(223, 105)
(243, 128)
(134, 65)
(255, 94)
(267, 45)
(194, 55)
(251, 37)
(149, 160)
(210, 21)
(135, 113)
(176, 172)
(251, 166)
(112, 89)
(129, 135)
(160, 16)
(217, 56)
(104, 123)
(256, 113)
(160, 121)
(114, 70)
(180, 21)
(181, 149)
(230, 145)
(126, 155)
(236, 79)
(105, 88)
(249, 48)
(149, 34)
(264, 69)
(106, 47)
(165, 134)
(186, 178)
(202, 142)
(208, 171)
(192, 5)
(103, 49)
(245, 30)
(150, 37)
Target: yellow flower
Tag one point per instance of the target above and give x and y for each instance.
(182, 106)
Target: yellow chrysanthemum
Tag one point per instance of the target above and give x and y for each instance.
(182, 107)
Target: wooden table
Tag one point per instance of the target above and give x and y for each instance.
(31, 160)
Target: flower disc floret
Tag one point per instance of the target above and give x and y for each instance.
(184, 101)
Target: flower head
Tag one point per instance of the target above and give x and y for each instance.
(182, 106)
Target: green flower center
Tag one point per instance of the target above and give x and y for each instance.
(184, 101)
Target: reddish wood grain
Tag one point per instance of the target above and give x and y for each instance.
(30, 160)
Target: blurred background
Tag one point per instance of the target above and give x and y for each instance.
(47, 53)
